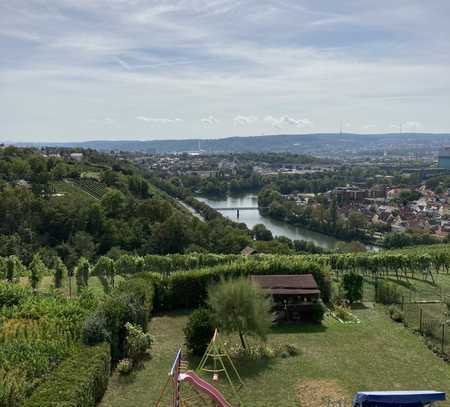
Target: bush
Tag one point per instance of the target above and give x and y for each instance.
(395, 313)
(291, 349)
(80, 380)
(124, 367)
(131, 301)
(137, 343)
(314, 313)
(12, 294)
(199, 331)
(387, 293)
(352, 285)
(94, 330)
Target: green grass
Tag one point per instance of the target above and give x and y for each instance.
(47, 284)
(377, 354)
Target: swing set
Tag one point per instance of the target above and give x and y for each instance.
(203, 392)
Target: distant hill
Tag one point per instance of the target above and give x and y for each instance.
(319, 144)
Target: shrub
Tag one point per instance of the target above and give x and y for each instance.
(12, 294)
(291, 349)
(352, 285)
(199, 331)
(80, 380)
(94, 330)
(387, 293)
(395, 313)
(314, 313)
(137, 343)
(131, 301)
(124, 367)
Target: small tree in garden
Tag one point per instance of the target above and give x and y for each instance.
(199, 331)
(37, 271)
(137, 343)
(60, 272)
(82, 273)
(241, 306)
(352, 285)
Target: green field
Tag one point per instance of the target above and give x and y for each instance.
(377, 354)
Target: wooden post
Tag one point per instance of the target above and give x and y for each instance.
(420, 320)
(443, 338)
(403, 303)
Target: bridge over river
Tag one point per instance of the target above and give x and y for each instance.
(237, 209)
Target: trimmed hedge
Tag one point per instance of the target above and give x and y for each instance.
(188, 289)
(79, 381)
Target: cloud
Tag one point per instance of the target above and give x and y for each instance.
(412, 126)
(408, 126)
(209, 121)
(244, 120)
(365, 62)
(158, 120)
(287, 121)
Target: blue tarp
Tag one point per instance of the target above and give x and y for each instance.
(396, 398)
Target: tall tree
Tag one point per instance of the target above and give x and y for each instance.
(241, 306)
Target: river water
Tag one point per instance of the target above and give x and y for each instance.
(278, 228)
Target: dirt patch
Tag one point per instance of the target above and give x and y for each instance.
(326, 393)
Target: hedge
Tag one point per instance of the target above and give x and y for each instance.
(79, 381)
(188, 289)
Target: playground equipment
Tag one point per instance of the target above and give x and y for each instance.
(180, 374)
(218, 355)
(397, 398)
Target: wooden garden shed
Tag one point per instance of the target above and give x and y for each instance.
(294, 296)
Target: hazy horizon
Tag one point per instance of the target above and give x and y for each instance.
(194, 69)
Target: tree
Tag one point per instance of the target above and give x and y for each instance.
(14, 268)
(241, 306)
(352, 284)
(105, 270)
(84, 244)
(114, 203)
(37, 271)
(82, 273)
(261, 232)
(60, 272)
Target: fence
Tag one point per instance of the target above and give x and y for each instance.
(429, 318)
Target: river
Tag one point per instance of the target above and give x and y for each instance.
(278, 228)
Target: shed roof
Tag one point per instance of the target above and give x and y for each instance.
(288, 282)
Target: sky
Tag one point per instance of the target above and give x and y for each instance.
(74, 70)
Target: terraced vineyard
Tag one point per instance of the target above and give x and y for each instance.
(92, 187)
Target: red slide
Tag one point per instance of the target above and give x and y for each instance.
(205, 387)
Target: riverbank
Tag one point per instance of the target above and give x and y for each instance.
(252, 217)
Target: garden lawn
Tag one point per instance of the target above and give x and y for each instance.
(377, 354)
